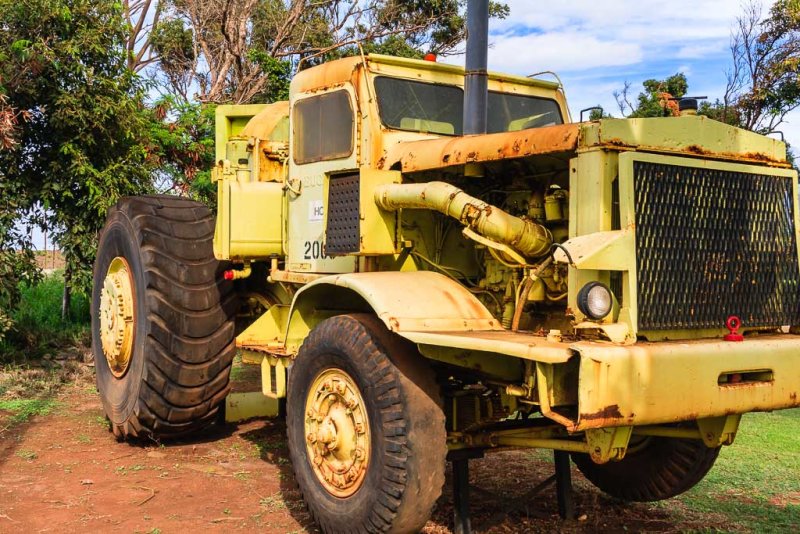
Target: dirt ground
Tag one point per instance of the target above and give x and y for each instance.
(63, 472)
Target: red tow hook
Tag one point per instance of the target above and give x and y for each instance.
(732, 324)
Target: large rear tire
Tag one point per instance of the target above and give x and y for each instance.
(656, 469)
(366, 430)
(162, 318)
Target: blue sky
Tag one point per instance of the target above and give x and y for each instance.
(595, 46)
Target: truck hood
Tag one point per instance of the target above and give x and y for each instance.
(694, 136)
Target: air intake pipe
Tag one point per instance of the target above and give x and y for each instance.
(526, 237)
(476, 78)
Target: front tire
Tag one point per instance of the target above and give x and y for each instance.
(162, 318)
(656, 469)
(366, 430)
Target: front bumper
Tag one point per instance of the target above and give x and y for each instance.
(656, 383)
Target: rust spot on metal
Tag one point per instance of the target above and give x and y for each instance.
(449, 151)
(381, 162)
(696, 149)
(607, 413)
(758, 156)
(616, 142)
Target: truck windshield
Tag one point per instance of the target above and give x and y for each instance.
(439, 109)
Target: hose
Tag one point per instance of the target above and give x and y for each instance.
(529, 238)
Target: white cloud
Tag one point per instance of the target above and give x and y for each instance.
(559, 51)
(582, 34)
(699, 50)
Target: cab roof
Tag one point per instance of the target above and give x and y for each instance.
(343, 70)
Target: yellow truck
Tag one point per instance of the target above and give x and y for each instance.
(620, 289)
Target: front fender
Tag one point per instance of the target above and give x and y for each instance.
(418, 301)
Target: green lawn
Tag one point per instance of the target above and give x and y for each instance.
(756, 481)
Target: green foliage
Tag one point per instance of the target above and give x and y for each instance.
(278, 72)
(598, 113)
(182, 146)
(15, 267)
(38, 328)
(655, 101)
(243, 52)
(174, 44)
(718, 111)
(24, 409)
(17, 262)
(79, 144)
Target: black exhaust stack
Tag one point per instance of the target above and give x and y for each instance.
(475, 77)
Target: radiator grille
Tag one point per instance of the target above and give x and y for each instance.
(712, 243)
(343, 233)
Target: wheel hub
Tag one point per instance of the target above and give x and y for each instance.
(117, 316)
(337, 432)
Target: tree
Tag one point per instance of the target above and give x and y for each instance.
(141, 17)
(763, 82)
(182, 148)
(79, 147)
(246, 50)
(657, 99)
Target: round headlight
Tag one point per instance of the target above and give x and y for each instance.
(595, 300)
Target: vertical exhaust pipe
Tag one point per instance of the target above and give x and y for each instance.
(476, 88)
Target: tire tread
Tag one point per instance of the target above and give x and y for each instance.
(189, 347)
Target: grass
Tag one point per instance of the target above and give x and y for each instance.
(20, 410)
(756, 481)
(39, 329)
(42, 354)
(27, 454)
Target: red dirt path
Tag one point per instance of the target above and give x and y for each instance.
(65, 473)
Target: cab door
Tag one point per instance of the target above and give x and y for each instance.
(323, 129)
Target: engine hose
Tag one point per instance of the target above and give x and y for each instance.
(532, 240)
(523, 298)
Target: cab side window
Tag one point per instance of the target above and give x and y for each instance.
(323, 128)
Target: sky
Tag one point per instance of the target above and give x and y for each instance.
(596, 46)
